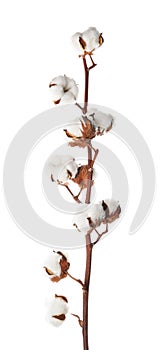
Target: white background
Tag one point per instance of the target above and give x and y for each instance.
(125, 287)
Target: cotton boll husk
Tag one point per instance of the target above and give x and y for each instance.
(76, 43)
(52, 263)
(57, 92)
(56, 307)
(112, 205)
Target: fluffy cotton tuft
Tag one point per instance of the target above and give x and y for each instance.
(53, 264)
(103, 121)
(112, 205)
(57, 310)
(97, 214)
(62, 168)
(87, 41)
(63, 89)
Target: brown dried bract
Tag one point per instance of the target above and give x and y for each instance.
(88, 130)
(61, 297)
(81, 177)
(101, 40)
(61, 317)
(82, 43)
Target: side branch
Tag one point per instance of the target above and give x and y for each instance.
(75, 279)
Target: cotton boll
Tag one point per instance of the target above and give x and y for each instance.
(63, 89)
(87, 41)
(54, 170)
(55, 308)
(60, 80)
(112, 205)
(74, 90)
(91, 37)
(75, 129)
(60, 165)
(52, 263)
(63, 176)
(72, 167)
(68, 97)
(102, 120)
(56, 92)
(71, 86)
(76, 43)
(95, 213)
(81, 222)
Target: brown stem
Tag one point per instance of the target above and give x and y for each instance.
(90, 173)
(86, 70)
(100, 234)
(89, 247)
(78, 105)
(69, 190)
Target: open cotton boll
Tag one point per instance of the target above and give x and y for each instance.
(75, 128)
(56, 92)
(53, 264)
(63, 89)
(68, 97)
(112, 205)
(87, 41)
(76, 43)
(72, 167)
(81, 223)
(91, 37)
(63, 167)
(60, 80)
(95, 213)
(103, 121)
(57, 309)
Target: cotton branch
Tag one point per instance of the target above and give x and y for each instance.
(75, 279)
(100, 234)
(69, 190)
